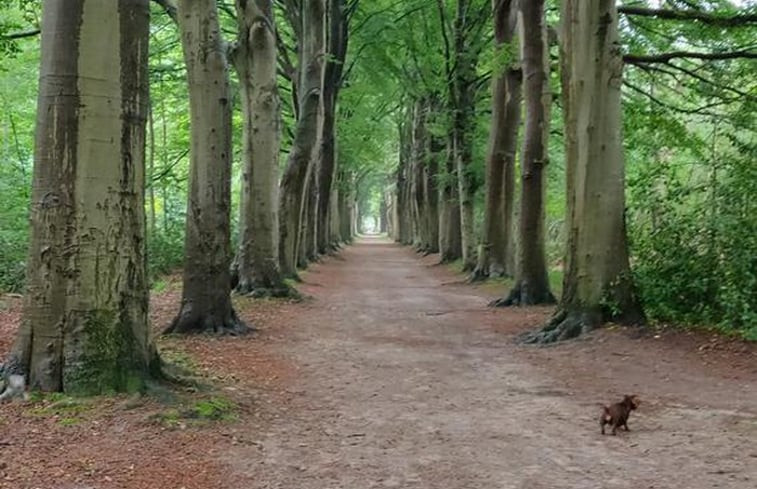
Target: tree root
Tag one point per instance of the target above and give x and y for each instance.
(189, 322)
(520, 295)
(563, 326)
(280, 291)
(477, 275)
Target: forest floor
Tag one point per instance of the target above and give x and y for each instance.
(395, 374)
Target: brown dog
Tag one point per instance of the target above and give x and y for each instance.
(617, 414)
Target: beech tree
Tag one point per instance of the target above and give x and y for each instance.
(309, 19)
(206, 300)
(339, 16)
(597, 286)
(450, 237)
(255, 59)
(495, 254)
(531, 279)
(468, 28)
(84, 326)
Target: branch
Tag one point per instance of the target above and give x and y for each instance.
(170, 7)
(666, 57)
(21, 35)
(698, 111)
(447, 49)
(704, 17)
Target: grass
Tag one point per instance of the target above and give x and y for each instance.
(201, 412)
(69, 411)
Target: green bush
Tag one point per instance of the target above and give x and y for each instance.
(165, 252)
(694, 243)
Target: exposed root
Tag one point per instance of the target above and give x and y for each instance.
(281, 291)
(190, 322)
(521, 295)
(477, 275)
(564, 326)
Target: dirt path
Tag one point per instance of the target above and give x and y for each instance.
(396, 375)
(407, 382)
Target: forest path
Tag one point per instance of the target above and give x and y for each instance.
(405, 379)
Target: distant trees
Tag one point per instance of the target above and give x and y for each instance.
(598, 283)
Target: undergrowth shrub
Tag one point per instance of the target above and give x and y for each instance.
(694, 242)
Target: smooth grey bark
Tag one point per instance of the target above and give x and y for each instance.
(255, 56)
(532, 281)
(597, 286)
(338, 40)
(206, 293)
(84, 327)
(495, 255)
(299, 166)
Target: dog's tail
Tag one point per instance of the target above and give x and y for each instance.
(606, 416)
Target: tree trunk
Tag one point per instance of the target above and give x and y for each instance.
(433, 150)
(383, 216)
(450, 240)
(306, 140)
(338, 41)
(418, 176)
(206, 294)
(149, 182)
(254, 58)
(532, 281)
(345, 207)
(466, 58)
(334, 219)
(597, 285)
(404, 187)
(84, 327)
(310, 228)
(495, 258)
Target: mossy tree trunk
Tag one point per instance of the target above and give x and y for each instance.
(255, 60)
(304, 150)
(597, 286)
(495, 256)
(532, 282)
(206, 294)
(84, 326)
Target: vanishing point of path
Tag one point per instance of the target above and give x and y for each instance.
(405, 379)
